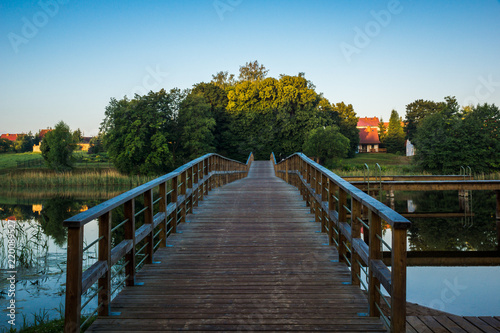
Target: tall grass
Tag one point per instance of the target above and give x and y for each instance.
(97, 178)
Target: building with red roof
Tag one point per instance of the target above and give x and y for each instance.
(10, 137)
(369, 141)
(368, 122)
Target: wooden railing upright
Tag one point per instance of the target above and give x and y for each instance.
(345, 212)
(178, 192)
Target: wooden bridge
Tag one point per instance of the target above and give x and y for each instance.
(255, 254)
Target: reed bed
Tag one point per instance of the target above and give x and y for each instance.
(98, 178)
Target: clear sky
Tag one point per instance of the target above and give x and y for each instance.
(65, 59)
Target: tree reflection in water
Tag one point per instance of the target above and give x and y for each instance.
(477, 233)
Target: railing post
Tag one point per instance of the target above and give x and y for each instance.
(183, 192)
(190, 187)
(173, 199)
(196, 192)
(355, 233)
(331, 206)
(129, 231)
(375, 254)
(209, 170)
(74, 280)
(398, 281)
(342, 218)
(287, 168)
(104, 254)
(317, 206)
(163, 209)
(148, 219)
(324, 197)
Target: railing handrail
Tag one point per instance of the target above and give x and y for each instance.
(197, 178)
(96, 211)
(394, 219)
(345, 222)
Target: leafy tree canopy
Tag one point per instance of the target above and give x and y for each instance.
(252, 71)
(327, 144)
(57, 147)
(395, 138)
(453, 138)
(418, 110)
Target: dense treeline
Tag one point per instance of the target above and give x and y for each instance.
(153, 134)
(448, 137)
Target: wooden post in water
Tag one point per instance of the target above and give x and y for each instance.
(375, 253)
(129, 231)
(104, 282)
(74, 280)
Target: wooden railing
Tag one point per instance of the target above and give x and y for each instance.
(327, 195)
(177, 193)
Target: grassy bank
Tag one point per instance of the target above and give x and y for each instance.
(390, 164)
(8, 161)
(48, 178)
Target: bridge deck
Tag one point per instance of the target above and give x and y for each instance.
(250, 258)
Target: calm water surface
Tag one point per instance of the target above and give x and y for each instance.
(41, 250)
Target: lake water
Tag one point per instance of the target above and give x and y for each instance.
(41, 249)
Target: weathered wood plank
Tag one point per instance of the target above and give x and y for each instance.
(250, 258)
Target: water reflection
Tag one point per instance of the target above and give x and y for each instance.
(471, 225)
(41, 247)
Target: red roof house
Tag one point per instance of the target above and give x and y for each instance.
(368, 122)
(11, 137)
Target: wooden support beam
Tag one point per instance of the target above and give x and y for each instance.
(163, 209)
(398, 281)
(355, 233)
(129, 231)
(148, 219)
(375, 253)
(74, 280)
(104, 282)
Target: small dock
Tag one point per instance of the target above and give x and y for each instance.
(250, 258)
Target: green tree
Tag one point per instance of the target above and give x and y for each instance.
(395, 138)
(97, 144)
(452, 138)
(416, 112)
(217, 98)
(57, 147)
(24, 143)
(5, 145)
(382, 131)
(138, 132)
(327, 144)
(252, 71)
(223, 79)
(196, 123)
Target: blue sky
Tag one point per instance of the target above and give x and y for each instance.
(65, 59)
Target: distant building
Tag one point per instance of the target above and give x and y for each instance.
(10, 137)
(410, 148)
(369, 141)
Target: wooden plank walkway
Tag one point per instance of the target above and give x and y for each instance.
(250, 258)
(450, 323)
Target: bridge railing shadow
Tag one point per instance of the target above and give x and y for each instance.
(177, 193)
(354, 223)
